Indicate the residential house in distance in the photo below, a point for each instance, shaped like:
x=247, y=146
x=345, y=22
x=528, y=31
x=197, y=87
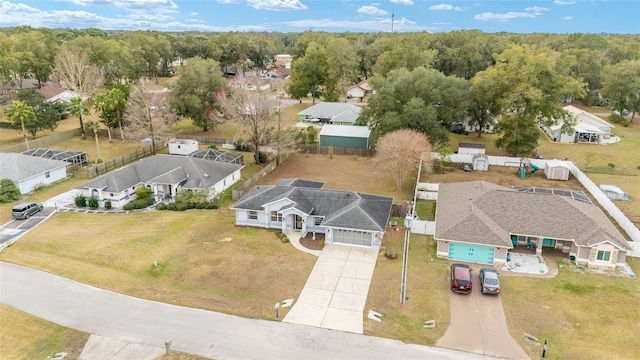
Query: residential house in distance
x=165, y=176
x=283, y=61
x=480, y=222
x=344, y=217
x=57, y=94
x=29, y=172
x=335, y=113
x=588, y=128
x=360, y=90
x=345, y=136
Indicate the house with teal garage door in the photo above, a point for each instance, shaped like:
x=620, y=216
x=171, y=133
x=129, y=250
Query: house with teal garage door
x=481, y=222
x=345, y=136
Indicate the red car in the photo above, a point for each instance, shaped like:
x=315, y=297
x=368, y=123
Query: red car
x=461, y=279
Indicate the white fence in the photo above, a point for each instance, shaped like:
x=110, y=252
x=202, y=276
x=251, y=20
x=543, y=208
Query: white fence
x=423, y=227
x=594, y=190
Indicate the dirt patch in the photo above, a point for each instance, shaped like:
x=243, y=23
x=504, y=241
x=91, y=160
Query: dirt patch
x=311, y=244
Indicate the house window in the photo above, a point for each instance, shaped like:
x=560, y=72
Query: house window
x=276, y=217
x=253, y=215
x=224, y=182
x=318, y=221
x=604, y=255
x=233, y=176
x=47, y=175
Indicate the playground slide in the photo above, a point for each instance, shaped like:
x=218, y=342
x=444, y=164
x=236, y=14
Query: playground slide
x=534, y=168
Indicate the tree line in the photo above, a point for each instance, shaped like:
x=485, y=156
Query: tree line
x=424, y=81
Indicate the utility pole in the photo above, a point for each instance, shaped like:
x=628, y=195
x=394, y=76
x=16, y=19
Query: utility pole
x=279, y=96
x=393, y=16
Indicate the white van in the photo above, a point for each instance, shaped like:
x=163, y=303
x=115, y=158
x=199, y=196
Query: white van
x=25, y=210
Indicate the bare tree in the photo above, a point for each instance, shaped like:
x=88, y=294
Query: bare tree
x=252, y=106
x=148, y=113
x=74, y=71
x=402, y=151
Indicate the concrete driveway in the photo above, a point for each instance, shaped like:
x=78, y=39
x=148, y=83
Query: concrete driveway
x=336, y=291
x=13, y=230
x=478, y=325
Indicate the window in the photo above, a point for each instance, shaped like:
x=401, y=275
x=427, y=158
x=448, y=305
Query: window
x=233, y=176
x=604, y=255
x=318, y=221
x=47, y=175
x=253, y=215
x=276, y=217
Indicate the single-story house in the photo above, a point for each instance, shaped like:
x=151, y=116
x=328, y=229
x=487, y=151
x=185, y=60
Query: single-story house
x=57, y=94
x=283, y=61
x=468, y=126
x=345, y=136
x=30, y=172
x=335, y=113
x=182, y=146
x=471, y=148
x=556, y=170
x=480, y=222
x=360, y=90
x=588, y=128
x=344, y=217
x=613, y=192
x=165, y=176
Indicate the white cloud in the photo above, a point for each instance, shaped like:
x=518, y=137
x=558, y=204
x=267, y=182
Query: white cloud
x=531, y=12
x=371, y=10
x=193, y=13
x=130, y=4
x=560, y=2
x=381, y=25
x=503, y=17
x=568, y=17
x=277, y=4
x=445, y=7
x=402, y=2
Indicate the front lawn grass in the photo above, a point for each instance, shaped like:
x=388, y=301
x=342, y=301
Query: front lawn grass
x=28, y=337
x=203, y=260
x=427, y=292
x=582, y=315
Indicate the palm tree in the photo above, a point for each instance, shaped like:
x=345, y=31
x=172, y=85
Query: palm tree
x=94, y=125
x=20, y=111
x=117, y=100
x=101, y=104
x=79, y=107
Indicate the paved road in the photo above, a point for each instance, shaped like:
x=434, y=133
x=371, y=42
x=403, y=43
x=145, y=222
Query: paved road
x=195, y=331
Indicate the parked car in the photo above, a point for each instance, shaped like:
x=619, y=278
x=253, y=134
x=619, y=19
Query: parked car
x=489, y=281
x=25, y=210
x=625, y=112
x=461, y=279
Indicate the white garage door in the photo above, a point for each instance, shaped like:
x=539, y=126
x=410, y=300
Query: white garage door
x=352, y=237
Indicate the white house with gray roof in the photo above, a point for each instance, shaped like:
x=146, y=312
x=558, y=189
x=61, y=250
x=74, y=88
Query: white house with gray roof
x=480, y=222
x=29, y=172
x=344, y=217
x=335, y=113
x=165, y=176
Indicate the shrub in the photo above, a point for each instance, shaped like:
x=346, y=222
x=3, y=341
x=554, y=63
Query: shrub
x=107, y=205
x=240, y=145
x=172, y=206
x=9, y=192
x=161, y=206
x=39, y=187
x=262, y=157
x=80, y=200
x=149, y=201
x=181, y=207
x=615, y=118
x=128, y=206
x=611, y=165
x=143, y=193
x=93, y=202
x=212, y=205
x=213, y=146
x=201, y=205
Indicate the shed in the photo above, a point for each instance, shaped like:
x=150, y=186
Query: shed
x=613, y=192
x=480, y=162
x=182, y=146
x=470, y=148
x=556, y=170
x=345, y=136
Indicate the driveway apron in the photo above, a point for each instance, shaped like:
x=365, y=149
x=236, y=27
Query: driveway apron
x=336, y=291
x=478, y=325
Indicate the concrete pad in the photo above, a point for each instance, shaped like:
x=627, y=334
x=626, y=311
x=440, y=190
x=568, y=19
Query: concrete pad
x=99, y=347
x=344, y=320
x=336, y=291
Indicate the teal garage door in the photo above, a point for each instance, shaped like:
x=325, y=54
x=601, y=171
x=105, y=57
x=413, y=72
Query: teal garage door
x=471, y=253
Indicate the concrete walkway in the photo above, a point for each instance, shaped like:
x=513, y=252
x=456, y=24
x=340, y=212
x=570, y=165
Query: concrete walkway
x=336, y=292
x=103, y=348
x=294, y=239
x=193, y=331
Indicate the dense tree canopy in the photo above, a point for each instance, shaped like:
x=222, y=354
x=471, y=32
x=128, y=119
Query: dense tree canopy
x=424, y=100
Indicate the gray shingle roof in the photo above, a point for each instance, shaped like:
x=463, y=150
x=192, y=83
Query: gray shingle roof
x=485, y=213
x=18, y=167
x=344, y=209
x=300, y=183
x=335, y=111
x=167, y=169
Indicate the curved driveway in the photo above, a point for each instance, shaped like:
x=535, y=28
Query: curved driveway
x=195, y=331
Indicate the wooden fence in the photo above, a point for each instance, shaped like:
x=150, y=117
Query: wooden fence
x=42, y=142
x=333, y=150
x=250, y=182
x=104, y=167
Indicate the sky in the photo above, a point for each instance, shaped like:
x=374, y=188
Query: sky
x=516, y=16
